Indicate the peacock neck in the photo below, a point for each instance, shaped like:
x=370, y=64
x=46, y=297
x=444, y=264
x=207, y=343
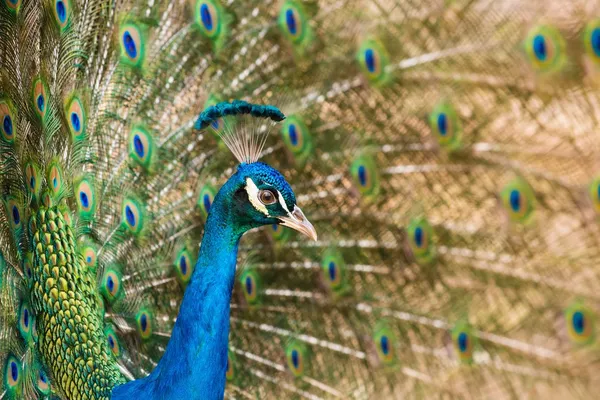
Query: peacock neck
x=195, y=361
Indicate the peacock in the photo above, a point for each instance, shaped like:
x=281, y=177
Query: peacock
x=165, y=166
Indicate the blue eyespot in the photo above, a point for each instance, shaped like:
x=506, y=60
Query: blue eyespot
x=385, y=345
x=40, y=103
x=206, y=17
x=111, y=342
x=463, y=342
x=295, y=358
x=275, y=227
x=144, y=322
x=139, y=146
x=32, y=182
x=7, y=124
x=14, y=371
x=290, y=21
x=515, y=200
x=76, y=122
x=61, y=11
x=362, y=175
x=595, y=41
x=578, y=322
x=183, y=265
x=54, y=182
x=16, y=215
x=332, y=271
x=540, y=48
x=419, y=236
x=442, y=124
x=293, y=134
x=206, y=200
x=370, y=60
x=26, y=317
x=130, y=46
x=249, y=285
x=129, y=215
x=88, y=259
x=110, y=283
x=84, y=199
x=215, y=124
x=43, y=377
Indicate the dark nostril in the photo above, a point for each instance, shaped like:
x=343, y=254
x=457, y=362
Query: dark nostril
x=298, y=214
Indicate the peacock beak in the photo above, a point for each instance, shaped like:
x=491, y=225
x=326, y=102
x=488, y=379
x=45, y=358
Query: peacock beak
x=296, y=220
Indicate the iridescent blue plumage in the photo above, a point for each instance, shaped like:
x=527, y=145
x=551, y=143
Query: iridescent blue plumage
x=194, y=364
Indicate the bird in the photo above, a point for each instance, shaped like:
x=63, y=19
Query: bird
x=165, y=167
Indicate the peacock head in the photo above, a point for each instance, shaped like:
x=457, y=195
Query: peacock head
x=258, y=195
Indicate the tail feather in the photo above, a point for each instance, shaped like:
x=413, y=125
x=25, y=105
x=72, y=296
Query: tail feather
x=446, y=150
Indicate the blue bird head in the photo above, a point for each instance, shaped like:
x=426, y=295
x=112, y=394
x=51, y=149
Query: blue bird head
x=258, y=195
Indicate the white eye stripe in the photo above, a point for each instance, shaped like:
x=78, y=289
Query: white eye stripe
x=282, y=202
x=252, y=191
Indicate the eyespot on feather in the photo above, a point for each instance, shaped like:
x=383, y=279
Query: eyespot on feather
x=40, y=97
x=144, y=323
x=546, y=49
x=132, y=39
x=463, y=341
x=519, y=200
x=297, y=357
x=7, y=121
x=132, y=216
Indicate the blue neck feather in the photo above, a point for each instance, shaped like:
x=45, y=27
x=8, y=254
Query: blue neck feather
x=195, y=361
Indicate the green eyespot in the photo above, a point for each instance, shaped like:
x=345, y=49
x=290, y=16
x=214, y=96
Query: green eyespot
x=251, y=286
x=545, y=48
x=205, y=199
x=591, y=41
x=464, y=342
x=141, y=147
x=446, y=127
x=420, y=235
x=297, y=139
x=132, y=39
x=62, y=11
x=13, y=5
x=55, y=179
x=144, y=323
x=385, y=343
x=212, y=21
x=7, y=121
x=13, y=376
x=111, y=286
x=85, y=196
x=25, y=321
x=89, y=252
x=366, y=176
x=184, y=265
x=76, y=117
x=297, y=356
x=519, y=200
x=333, y=271
x=33, y=179
x=40, y=99
x=294, y=24
x=132, y=215
x=113, y=341
x=373, y=60
x=581, y=323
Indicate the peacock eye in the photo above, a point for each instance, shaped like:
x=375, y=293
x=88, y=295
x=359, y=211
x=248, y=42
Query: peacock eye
x=267, y=197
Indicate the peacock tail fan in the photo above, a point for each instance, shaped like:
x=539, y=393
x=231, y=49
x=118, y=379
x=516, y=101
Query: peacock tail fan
x=481, y=114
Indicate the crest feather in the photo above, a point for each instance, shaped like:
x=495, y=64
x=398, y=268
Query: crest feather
x=246, y=138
